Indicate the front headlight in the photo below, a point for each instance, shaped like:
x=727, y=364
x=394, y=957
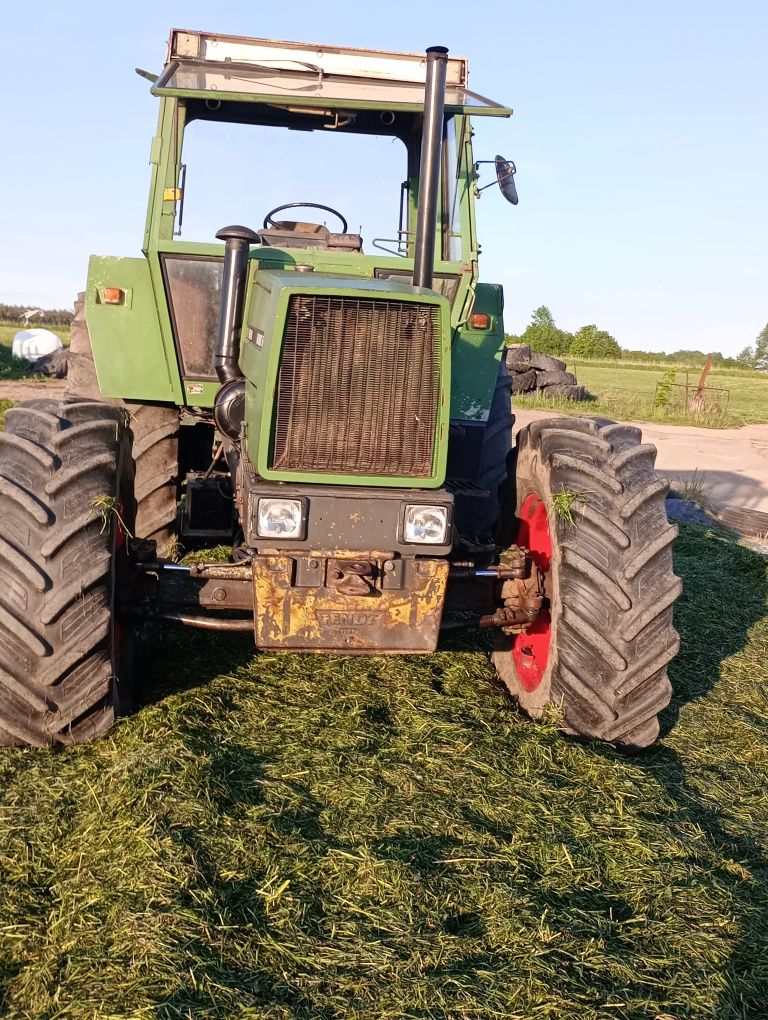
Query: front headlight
x=280, y=518
x=427, y=525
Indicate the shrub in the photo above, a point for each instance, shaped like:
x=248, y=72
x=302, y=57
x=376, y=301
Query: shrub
x=591, y=342
x=664, y=388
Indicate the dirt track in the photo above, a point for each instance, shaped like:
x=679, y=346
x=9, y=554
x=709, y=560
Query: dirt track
x=31, y=390
x=732, y=463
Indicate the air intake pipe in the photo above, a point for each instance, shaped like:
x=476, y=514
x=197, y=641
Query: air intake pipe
x=229, y=403
x=429, y=166
x=237, y=240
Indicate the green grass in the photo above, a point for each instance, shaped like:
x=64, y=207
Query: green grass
x=627, y=384
x=624, y=407
x=4, y=405
x=371, y=837
x=696, y=489
x=13, y=368
x=661, y=365
x=9, y=329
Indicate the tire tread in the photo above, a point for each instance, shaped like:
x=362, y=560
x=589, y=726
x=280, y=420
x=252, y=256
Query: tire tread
x=56, y=683
x=615, y=561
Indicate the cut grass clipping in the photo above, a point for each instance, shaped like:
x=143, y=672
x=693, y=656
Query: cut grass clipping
x=563, y=503
x=107, y=509
x=380, y=837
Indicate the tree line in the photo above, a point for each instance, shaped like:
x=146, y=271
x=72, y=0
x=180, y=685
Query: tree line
x=36, y=316
x=543, y=335
x=757, y=356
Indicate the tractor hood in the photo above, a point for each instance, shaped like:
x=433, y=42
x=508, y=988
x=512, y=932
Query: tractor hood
x=347, y=380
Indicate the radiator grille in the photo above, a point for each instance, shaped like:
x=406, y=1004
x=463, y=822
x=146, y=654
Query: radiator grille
x=358, y=387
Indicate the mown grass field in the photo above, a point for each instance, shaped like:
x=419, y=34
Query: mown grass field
x=747, y=391
x=626, y=390
x=624, y=407
x=291, y=836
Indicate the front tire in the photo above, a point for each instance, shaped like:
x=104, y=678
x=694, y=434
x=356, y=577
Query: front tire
x=66, y=507
x=587, y=502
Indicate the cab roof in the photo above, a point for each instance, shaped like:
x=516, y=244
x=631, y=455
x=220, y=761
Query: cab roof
x=203, y=65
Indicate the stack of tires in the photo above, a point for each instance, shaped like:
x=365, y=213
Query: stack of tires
x=531, y=372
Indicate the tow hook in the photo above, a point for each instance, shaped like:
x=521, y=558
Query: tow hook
x=352, y=577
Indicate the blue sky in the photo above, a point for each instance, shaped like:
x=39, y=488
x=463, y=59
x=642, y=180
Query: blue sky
x=639, y=134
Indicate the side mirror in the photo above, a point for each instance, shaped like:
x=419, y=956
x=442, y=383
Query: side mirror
x=505, y=175
x=505, y=178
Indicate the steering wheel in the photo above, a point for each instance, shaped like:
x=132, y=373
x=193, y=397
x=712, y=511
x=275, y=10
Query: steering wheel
x=269, y=222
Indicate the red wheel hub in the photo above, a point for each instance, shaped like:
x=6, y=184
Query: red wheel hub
x=530, y=651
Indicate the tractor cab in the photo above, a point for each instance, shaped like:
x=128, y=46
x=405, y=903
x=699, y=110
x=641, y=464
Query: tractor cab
x=316, y=149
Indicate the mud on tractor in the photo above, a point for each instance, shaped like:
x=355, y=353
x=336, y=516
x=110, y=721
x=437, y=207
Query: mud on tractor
x=339, y=416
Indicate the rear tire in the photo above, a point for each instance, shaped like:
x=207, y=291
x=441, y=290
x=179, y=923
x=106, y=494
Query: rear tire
x=546, y=363
x=517, y=357
x=524, y=382
x=611, y=585
x=155, y=430
x=66, y=505
x=570, y=392
x=545, y=379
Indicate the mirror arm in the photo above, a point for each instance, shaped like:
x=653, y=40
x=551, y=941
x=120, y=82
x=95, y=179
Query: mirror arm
x=493, y=184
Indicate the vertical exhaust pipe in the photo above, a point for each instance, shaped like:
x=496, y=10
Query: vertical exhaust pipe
x=429, y=167
x=237, y=241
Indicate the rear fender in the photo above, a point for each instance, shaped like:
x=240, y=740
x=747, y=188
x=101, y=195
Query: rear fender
x=475, y=358
x=131, y=357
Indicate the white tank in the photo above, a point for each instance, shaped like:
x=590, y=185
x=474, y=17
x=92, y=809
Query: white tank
x=34, y=343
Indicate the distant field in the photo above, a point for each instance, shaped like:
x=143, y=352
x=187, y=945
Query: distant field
x=747, y=396
x=625, y=389
x=15, y=368
x=9, y=329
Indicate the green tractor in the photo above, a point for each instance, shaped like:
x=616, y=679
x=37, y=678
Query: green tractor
x=339, y=416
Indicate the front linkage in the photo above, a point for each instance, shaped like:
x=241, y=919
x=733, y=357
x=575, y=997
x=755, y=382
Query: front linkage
x=581, y=602
x=325, y=602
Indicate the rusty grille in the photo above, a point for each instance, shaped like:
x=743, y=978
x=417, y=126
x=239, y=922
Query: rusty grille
x=358, y=387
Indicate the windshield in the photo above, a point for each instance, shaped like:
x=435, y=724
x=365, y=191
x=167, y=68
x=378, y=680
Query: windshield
x=237, y=173
x=454, y=180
